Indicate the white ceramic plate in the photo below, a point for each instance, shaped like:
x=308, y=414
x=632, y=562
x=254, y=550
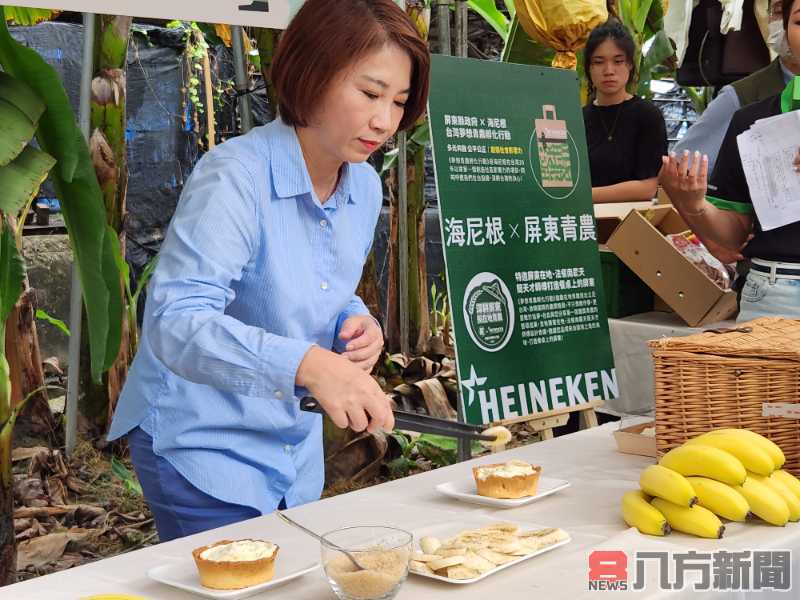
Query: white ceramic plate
x=464, y=489
x=450, y=529
x=183, y=574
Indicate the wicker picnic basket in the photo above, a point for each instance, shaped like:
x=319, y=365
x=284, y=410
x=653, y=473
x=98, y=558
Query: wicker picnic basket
x=723, y=378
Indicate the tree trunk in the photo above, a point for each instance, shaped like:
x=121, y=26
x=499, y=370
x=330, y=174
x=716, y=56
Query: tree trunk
x=25, y=364
x=368, y=288
x=419, y=317
x=108, y=149
x=392, y=318
x=419, y=313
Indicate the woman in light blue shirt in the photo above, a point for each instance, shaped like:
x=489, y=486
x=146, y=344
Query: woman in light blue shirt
x=253, y=302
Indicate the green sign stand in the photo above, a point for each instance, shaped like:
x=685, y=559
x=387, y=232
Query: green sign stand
x=518, y=230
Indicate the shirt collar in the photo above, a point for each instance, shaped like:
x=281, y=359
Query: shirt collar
x=289, y=173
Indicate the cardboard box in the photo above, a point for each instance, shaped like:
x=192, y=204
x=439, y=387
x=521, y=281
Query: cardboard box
x=640, y=243
x=662, y=197
x=609, y=215
x=631, y=441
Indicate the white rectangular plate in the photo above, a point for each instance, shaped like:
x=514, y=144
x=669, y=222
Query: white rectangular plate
x=464, y=490
x=183, y=574
x=452, y=528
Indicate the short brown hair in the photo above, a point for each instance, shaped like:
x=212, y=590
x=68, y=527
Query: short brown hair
x=327, y=36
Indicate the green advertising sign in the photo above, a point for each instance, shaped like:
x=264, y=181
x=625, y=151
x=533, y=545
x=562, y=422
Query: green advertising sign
x=518, y=231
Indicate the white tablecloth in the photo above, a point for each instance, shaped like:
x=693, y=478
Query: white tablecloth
x=629, y=337
x=588, y=510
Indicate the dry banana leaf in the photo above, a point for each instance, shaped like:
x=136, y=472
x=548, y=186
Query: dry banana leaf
x=31, y=491
x=399, y=360
x=436, y=400
x=358, y=460
x=40, y=551
x=420, y=368
x=404, y=389
x=18, y=454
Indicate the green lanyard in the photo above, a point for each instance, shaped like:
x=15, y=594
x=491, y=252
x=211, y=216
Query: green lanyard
x=790, y=96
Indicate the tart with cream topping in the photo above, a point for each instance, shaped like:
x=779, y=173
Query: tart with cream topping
x=232, y=565
x=512, y=479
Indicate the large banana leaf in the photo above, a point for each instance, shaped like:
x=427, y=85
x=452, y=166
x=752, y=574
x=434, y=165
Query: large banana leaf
x=20, y=180
x=642, y=8
x=23, y=168
x=16, y=130
x=489, y=11
x=29, y=16
x=20, y=95
x=58, y=122
x=659, y=51
x=76, y=186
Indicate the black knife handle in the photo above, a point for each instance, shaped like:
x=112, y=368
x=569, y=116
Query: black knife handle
x=310, y=404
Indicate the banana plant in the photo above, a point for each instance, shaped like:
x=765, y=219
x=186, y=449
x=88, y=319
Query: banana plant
x=417, y=300
x=108, y=151
x=494, y=16
x=12, y=273
x=645, y=20
x=22, y=170
x=94, y=243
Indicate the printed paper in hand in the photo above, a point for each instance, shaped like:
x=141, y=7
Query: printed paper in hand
x=767, y=150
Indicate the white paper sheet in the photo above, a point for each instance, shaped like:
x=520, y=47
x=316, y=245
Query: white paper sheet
x=767, y=150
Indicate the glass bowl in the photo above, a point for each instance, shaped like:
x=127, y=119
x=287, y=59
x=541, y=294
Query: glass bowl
x=384, y=552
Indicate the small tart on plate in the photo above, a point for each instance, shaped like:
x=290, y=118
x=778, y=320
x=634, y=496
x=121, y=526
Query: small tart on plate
x=233, y=565
x=510, y=480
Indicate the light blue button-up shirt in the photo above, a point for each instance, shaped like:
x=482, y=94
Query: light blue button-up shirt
x=254, y=270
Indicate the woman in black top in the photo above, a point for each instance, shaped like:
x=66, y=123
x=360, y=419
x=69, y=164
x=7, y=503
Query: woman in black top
x=727, y=217
x=626, y=134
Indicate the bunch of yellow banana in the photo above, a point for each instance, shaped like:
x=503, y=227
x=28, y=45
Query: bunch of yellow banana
x=728, y=473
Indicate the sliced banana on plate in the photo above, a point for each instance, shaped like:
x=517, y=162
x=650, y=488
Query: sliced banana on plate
x=501, y=434
x=430, y=545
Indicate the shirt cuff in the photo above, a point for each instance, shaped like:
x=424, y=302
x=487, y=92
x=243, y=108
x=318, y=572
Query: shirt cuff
x=744, y=208
x=356, y=307
x=288, y=356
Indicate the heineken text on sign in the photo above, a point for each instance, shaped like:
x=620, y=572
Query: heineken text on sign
x=523, y=270
x=257, y=13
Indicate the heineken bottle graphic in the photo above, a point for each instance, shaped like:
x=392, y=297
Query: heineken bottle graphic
x=488, y=312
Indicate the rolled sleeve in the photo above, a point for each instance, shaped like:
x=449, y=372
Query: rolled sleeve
x=212, y=239
x=355, y=307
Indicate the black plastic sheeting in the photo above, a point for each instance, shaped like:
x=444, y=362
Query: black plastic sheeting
x=162, y=145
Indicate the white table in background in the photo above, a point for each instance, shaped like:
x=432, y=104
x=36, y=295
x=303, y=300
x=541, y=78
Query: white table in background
x=634, y=366
x=588, y=510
